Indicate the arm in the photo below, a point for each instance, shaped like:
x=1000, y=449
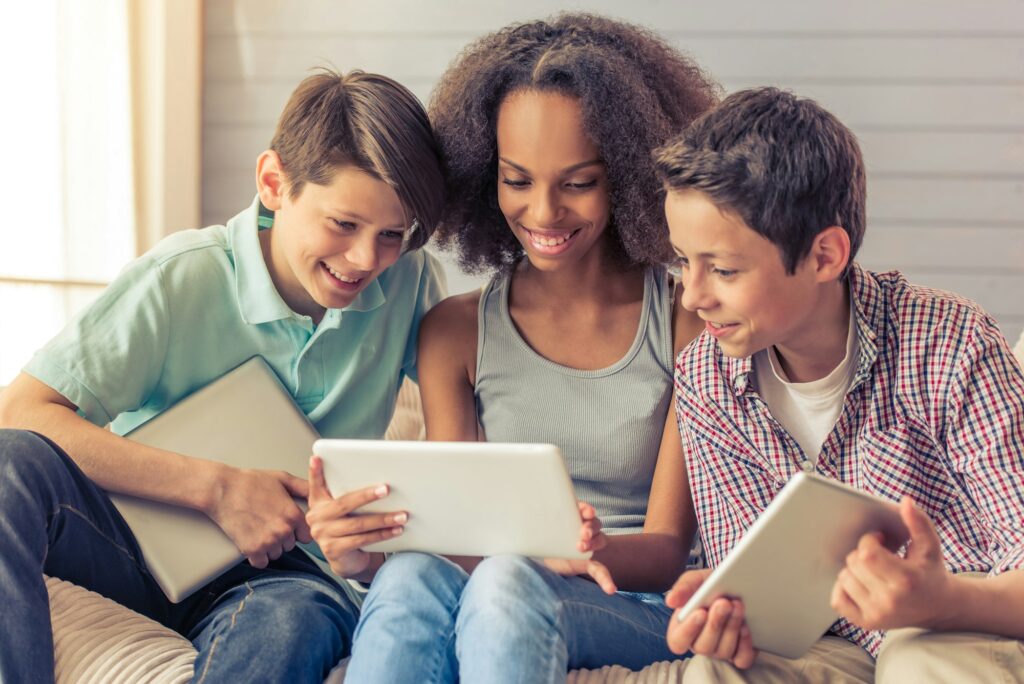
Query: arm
x=254, y=508
x=653, y=559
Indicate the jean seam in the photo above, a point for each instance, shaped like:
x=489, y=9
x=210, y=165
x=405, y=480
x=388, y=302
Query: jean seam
x=217, y=639
x=113, y=542
x=618, y=615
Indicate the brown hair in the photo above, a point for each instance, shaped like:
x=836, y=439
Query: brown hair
x=372, y=123
x=783, y=164
x=635, y=91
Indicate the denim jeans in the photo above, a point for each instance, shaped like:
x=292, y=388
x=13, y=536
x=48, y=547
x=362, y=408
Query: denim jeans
x=287, y=623
x=512, y=620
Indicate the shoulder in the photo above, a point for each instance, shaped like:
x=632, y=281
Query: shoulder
x=454, y=317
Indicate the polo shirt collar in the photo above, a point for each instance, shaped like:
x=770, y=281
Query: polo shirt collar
x=258, y=298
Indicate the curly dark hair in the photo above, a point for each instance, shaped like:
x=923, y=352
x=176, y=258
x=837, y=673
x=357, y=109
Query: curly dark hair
x=635, y=90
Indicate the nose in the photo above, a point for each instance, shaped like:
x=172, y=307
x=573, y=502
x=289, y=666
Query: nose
x=697, y=295
x=546, y=207
x=362, y=251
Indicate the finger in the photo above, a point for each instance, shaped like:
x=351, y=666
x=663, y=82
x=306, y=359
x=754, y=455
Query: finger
x=718, y=616
x=274, y=552
x=682, y=634
x=257, y=560
x=296, y=486
x=729, y=642
x=924, y=540
x=287, y=541
x=587, y=512
x=857, y=593
x=844, y=605
x=302, y=532
x=600, y=573
x=350, y=525
x=358, y=541
x=872, y=564
x=684, y=587
x=318, y=491
x=599, y=542
x=745, y=653
x=346, y=503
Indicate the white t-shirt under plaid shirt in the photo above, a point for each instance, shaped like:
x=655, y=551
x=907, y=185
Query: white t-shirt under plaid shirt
x=935, y=411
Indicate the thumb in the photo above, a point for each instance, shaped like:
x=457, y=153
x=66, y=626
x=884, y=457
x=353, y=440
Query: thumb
x=684, y=588
x=317, y=485
x=924, y=539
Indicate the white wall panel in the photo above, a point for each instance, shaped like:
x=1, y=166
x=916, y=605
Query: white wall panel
x=934, y=89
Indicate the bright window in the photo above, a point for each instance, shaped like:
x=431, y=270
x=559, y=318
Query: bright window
x=68, y=219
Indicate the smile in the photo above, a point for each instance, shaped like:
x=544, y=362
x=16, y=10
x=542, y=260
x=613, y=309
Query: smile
x=337, y=275
x=551, y=243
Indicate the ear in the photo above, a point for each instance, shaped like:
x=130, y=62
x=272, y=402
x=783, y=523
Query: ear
x=830, y=253
x=270, y=180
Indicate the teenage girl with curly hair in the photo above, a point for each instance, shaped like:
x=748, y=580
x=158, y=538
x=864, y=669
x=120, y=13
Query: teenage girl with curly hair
x=547, y=130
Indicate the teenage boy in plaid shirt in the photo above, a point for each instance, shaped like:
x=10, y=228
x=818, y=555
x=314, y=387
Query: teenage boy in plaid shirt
x=809, y=362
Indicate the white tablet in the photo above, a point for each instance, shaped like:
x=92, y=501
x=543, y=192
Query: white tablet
x=463, y=498
x=785, y=566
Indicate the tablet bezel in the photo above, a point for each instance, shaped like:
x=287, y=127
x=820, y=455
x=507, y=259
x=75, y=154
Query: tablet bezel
x=463, y=498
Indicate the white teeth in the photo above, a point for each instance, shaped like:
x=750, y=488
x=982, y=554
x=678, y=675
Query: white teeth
x=550, y=241
x=342, y=278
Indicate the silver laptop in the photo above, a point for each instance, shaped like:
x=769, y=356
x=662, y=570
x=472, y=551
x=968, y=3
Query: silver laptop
x=245, y=418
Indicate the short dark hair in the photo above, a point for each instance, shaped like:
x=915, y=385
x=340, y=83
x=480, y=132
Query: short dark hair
x=635, y=91
x=372, y=123
x=786, y=166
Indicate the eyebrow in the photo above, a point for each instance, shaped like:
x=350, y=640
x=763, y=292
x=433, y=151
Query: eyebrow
x=570, y=169
x=357, y=217
x=709, y=255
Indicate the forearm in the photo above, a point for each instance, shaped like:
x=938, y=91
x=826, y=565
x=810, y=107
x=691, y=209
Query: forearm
x=992, y=605
x=117, y=464
x=648, y=562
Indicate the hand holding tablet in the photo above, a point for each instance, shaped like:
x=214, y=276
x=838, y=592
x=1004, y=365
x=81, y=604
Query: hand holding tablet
x=782, y=572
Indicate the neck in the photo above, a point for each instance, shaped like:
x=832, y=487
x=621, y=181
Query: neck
x=820, y=346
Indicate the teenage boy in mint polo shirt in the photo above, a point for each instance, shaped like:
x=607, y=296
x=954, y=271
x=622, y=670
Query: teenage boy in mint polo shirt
x=328, y=286
x=810, y=362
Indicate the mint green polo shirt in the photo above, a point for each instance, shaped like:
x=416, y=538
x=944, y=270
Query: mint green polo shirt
x=202, y=301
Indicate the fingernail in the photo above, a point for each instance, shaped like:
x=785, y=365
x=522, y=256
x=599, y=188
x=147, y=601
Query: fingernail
x=401, y=518
x=381, y=491
x=395, y=531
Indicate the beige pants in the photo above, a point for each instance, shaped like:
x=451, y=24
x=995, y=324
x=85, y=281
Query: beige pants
x=907, y=656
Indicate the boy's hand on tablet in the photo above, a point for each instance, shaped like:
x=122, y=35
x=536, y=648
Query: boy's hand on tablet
x=591, y=539
x=880, y=590
x=340, y=531
x=718, y=631
x=257, y=510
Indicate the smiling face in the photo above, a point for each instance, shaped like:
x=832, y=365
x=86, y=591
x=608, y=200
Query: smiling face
x=734, y=279
x=552, y=184
x=330, y=242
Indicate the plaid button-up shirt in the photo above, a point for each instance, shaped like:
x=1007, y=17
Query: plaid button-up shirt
x=936, y=411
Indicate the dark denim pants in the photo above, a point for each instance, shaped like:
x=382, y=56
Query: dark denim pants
x=287, y=623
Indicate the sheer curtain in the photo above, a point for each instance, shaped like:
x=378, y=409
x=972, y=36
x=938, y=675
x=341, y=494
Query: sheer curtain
x=84, y=121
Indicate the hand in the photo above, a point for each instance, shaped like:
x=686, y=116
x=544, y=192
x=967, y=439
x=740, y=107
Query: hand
x=257, y=510
x=591, y=539
x=879, y=590
x=340, y=532
x=718, y=631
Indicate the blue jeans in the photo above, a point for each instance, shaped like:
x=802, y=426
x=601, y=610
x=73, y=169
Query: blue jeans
x=289, y=622
x=512, y=620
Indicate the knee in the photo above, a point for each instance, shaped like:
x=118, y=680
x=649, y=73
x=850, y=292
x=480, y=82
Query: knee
x=413, y=574
x=499, y=581
x=909, y=653
x=27, y=461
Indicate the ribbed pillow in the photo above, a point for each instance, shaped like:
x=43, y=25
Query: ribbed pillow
x=98, y=640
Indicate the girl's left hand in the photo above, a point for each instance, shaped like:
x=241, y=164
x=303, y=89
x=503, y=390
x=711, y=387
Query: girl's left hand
x=591, y=539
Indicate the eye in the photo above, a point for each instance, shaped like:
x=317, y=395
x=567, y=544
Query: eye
x=344, y=226
x=515, y=184
x=724, y=272
x=392, y=237
x=582, y=186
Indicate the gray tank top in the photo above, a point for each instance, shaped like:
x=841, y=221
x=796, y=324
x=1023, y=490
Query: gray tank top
x=607, y=422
